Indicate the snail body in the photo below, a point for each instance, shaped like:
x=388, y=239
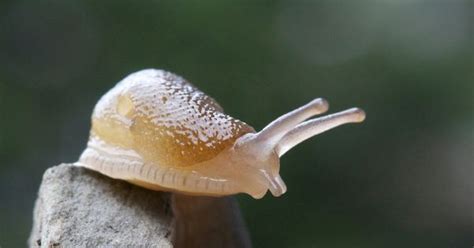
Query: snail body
x=156, y=130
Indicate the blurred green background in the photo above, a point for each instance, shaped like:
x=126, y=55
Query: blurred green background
x=404, y=178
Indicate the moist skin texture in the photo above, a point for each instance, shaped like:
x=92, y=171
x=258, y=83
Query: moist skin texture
x=158, y=131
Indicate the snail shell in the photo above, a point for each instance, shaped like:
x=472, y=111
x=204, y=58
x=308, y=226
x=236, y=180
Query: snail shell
x=156, y=130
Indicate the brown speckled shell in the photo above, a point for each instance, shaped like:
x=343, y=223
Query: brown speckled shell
x=164, y=119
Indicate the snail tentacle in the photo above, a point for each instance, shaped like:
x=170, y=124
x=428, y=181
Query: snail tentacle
x=274, y=131
x=316, y=126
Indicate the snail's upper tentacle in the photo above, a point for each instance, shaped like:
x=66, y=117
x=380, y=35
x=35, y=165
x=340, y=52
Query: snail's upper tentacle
x=316, y=126
x=273, y=132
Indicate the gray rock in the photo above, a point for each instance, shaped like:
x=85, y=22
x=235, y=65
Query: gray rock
x=77, y=207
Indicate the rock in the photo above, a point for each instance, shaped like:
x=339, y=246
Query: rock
x=77, y=207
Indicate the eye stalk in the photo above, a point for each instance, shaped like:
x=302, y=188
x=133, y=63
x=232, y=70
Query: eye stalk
x=308, y=129
x=263, y=149
x=273, y=132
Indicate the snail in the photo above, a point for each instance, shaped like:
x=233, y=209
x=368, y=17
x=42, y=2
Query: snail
x=156, y=130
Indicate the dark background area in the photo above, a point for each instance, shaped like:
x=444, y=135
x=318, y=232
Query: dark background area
x=403, y=178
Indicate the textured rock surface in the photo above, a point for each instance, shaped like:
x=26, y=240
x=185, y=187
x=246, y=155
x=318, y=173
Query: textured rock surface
x=80, y=208
x=77, y=207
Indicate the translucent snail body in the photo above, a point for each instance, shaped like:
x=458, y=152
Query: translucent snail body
x=156, y=130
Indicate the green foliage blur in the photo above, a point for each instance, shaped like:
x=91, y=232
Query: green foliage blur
x=403, y=178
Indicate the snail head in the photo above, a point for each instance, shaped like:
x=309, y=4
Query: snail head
x=257, y=155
